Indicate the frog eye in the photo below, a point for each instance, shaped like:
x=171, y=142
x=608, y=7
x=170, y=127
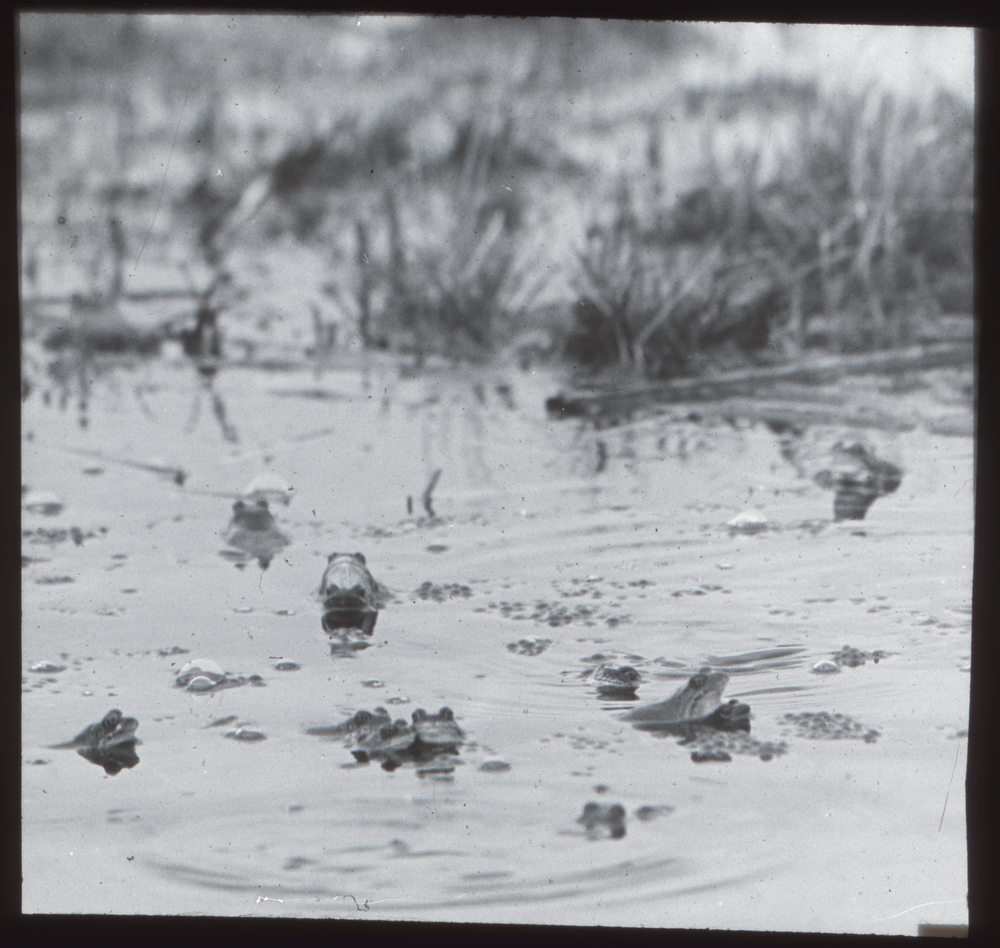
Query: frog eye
x=446, y=714
x=698, y=681
x=362, y=717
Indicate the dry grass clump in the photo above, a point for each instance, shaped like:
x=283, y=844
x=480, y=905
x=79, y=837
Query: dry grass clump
x=411, y=214
x=861, y=237
x=456, y=268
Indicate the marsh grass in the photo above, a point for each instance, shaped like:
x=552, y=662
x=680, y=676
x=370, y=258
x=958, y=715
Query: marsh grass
x=436, y=215
x=861, y=238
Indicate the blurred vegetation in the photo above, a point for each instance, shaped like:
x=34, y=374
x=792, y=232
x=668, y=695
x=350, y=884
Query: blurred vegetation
x=455, y=186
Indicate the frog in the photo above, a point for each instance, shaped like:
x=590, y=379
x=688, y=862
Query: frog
x=112, y=730
x=617, y=682
x=424, y=740
x=697, y=699
x=253, y=532
x=711, y=729
x=110, y=743
x=351, y=596
x=361, y=723
x=858, y=478
x=601, y=820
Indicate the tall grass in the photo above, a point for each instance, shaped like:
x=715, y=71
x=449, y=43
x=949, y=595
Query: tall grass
x=424, y=215
x=861, y=237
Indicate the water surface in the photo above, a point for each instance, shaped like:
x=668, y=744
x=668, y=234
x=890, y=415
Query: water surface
x=611, y=545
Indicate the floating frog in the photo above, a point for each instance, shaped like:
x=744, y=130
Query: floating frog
x=253, y=532
x=113, y=729
x=617, y=683
x=697, y=699
x=110, y=743
x=351, y=596
x=858, y=479
x=426, y=738
x=603, y=820
x=363, y=722
x=696, y=714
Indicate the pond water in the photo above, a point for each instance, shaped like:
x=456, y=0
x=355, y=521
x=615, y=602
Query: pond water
x=555, y=548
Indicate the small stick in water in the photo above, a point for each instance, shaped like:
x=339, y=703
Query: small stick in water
x=430, y=490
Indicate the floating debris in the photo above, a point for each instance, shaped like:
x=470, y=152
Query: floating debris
x=749, y=522
x=270, y=487
x=59, y=535
x=47, y=668
x=42, y=502
x=202, y=674
x=246, y=734
x=718, y=746
x=647, y=813
x=201, y=683
x=199, y=667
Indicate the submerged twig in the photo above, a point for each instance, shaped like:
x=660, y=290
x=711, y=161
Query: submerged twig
x=177, y=475
x=426, y=497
